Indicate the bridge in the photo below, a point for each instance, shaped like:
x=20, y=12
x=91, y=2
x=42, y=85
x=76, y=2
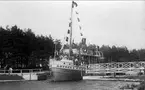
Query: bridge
x=117, y=67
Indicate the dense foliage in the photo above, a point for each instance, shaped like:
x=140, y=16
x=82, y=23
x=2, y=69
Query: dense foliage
x=122, y=54
x=23, y=49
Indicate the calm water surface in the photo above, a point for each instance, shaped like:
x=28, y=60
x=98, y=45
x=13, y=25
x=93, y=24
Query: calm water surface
x=46, y=85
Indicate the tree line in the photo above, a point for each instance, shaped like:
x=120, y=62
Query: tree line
x=21, y=48
x=114, y=53
x=122, y=54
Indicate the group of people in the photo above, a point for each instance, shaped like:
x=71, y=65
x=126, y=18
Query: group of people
x=74, y=58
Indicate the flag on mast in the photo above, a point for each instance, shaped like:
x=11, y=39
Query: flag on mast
x=74, y=4
x=80, y=27
x=67, y=39
x=70, y=24
x=68, y=32
x=77, y=12
x=78, y=19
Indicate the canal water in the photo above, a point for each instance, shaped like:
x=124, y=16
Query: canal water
x=79, y=85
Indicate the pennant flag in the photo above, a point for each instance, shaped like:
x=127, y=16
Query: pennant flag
x=73, y=41
x=81, y=34
x=98, y=48
x=78, y=19
x=74, y=4
x=70, y=24
x=67, y=39
x=68, y=32
x=83, y=40
x=80, y=27
x=77, y=12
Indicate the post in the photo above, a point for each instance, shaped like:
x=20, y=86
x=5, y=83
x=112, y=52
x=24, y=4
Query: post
x=55, y=49
x=21, y=72
x=114, y=74
x=30, y=73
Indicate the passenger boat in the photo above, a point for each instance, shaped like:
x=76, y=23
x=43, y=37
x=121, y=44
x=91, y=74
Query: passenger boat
x=65, y=67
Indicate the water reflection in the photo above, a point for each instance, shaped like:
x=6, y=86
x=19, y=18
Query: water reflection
x=46, y=85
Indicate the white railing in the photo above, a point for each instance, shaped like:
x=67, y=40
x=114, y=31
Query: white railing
x=116, y=67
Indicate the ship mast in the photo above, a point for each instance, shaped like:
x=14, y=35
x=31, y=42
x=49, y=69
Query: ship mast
x=70, y=41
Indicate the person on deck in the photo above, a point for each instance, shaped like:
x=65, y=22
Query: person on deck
x=76, y=61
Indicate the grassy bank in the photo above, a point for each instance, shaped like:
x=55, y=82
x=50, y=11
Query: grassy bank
x=141, y=86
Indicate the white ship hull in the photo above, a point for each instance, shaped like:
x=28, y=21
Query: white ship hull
x=62, y=74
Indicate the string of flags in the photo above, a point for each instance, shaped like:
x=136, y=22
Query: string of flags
x=74, y=4
x=78, y=19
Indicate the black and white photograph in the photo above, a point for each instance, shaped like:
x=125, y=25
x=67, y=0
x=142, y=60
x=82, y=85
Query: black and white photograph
x=72, y=45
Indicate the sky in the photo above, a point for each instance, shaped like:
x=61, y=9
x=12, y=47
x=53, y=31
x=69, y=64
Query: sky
x=120, y=23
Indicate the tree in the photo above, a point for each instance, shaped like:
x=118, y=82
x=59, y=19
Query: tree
x=22, y=48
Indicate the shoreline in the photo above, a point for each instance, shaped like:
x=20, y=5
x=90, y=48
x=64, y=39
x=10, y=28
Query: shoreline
x=92, y=78
x=101, y=78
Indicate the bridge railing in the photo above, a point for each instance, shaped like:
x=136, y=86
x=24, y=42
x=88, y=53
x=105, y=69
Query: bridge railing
x=117, y=67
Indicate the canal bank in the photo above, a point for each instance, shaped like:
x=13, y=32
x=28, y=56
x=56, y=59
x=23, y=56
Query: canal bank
x=75, y=85
x=107, y=78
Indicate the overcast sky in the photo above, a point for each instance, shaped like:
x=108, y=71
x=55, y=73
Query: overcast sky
x=120, y=23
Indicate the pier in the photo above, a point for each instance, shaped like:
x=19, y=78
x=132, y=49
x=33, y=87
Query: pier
x=24, y=74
